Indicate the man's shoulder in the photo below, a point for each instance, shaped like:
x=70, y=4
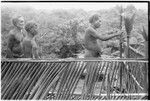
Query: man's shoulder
x=12, y=31
x=11, y=34
x=90, y=30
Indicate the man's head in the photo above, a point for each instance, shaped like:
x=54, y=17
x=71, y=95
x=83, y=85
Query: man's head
x=95, y=20
x=31, y=28
x=18, y=21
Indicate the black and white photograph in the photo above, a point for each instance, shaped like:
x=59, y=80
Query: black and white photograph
x=89, y=50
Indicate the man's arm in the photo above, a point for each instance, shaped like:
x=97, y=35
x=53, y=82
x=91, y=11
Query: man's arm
x=102, y=37
x=108, y=37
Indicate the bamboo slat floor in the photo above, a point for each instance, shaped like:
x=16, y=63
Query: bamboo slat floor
x=44, y=79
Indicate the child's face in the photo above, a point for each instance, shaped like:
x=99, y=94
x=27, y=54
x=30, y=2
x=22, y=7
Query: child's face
x=34, y=29
x=97, y=23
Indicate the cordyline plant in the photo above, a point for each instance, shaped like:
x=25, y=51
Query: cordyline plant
x=129, y=20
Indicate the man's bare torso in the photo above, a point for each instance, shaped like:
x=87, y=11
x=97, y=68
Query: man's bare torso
x=91, y=42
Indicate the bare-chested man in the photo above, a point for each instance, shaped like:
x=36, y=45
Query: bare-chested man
x=91, y=44
x=14, y=49
x=30, y=47
x=91, y=36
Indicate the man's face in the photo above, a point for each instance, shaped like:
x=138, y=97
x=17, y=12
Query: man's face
x=97, y=23
x=20, y=23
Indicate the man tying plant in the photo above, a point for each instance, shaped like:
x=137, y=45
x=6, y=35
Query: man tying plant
x=91, y=37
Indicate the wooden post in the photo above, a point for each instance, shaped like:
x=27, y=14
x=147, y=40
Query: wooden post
x=128, y=35
x=120, y=26
x=146, y=67
x=120, y=43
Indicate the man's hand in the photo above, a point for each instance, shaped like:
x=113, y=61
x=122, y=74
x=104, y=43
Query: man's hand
x=119, y=33
x=121, y=36
x=116, y=30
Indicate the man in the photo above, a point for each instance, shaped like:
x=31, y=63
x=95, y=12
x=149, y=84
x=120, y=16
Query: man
x=14, y=48
x=91, y=37
x=91, y=44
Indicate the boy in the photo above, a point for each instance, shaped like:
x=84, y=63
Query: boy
x=30, y=47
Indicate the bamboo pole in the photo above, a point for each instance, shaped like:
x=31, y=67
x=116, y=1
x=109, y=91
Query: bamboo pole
x=120, y=27
x=5, y=68
x=146, y=57
x=75, y=82
x=52, y=80
x=71, y=74
x=72, y=60
x=25, y=79
x=84, y=90
x=34, y=80
x=41, y=78
x=106, y=66
x=43, y=85
x=42, y=75
x=145, y=36
x=9, y=74
x=63, y=80
x=14, y=82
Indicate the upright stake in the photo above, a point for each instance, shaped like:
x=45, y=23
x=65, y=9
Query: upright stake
x=120, y=43
x=128, y=34
x=129, y=20
x=120, y=26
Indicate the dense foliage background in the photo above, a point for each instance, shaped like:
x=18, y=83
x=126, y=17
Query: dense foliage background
x=61, y=32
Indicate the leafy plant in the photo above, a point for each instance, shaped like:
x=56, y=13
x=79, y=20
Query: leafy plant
x=129, y=20
x=143, y=33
